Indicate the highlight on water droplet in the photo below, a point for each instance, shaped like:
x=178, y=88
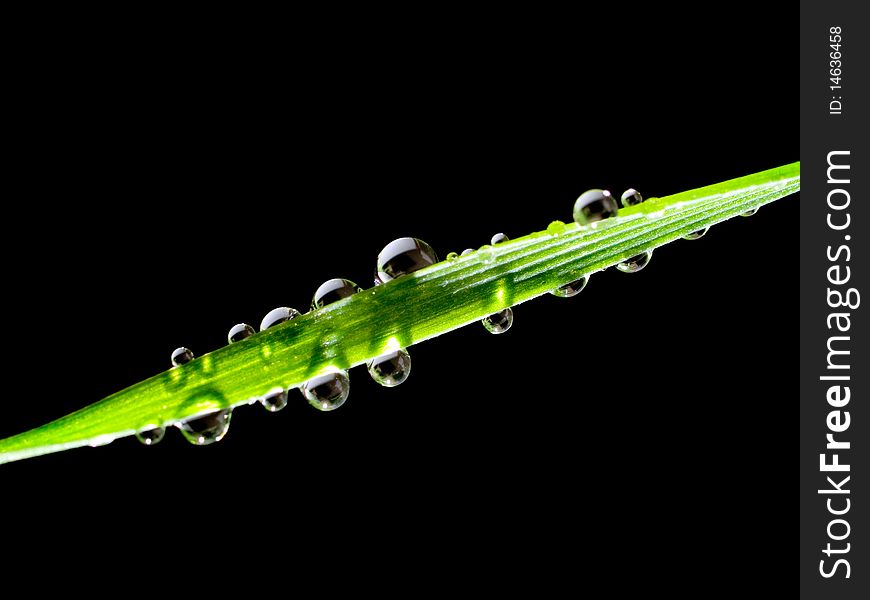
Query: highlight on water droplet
x=150, y=435
x=328, y=391
x=696, y=235
x=467, y=251
x=402, y=257
x=635, y=263
x=499, y=238
x=239, y=332
x=390, y=369
x=594, y=205
x=571, y=289
x=332, y=291
x=630, y=197
x=181, y=356
x=206, y=429
x=277, y=316
x=275, y=400
x=749, y=213
x=499, y=322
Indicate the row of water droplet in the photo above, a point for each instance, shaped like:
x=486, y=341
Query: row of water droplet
x=400, y=257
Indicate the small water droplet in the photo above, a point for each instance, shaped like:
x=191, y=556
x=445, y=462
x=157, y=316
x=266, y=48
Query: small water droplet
x=486, y=253
x=402, y=257
x=749, y=213
x=556, y=228
x=630, y=197
x=635, y=263
x=500, y=321
x=333, y=291
x=239, y=332
x=390, y=369
x=499, y=238
x=150, y=436
x=452, y=257
x=467, y=251
x=571, y=289
x=327, y=392
x=277, y=316
x=274, y=400
x=696, y=235
x=594, y=205
x=181, y=356
x=207, y=429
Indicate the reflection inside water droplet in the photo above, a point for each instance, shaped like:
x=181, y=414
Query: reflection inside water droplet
x=630, y=197
x=467, y=251
x=635, y=263
x=274, y=400
x=277, y=316
x=402, y=257
x=333, y=291
x=499, y=238
x=571, y=289
x=206, y=429
x=327, y=392
x=499, y=322
x=749, y=213
x=452, y=256
x=594, y=205
x=181, y=356
x=390, y=369
x=696, y=235
x=239, y=332
x=150, y=436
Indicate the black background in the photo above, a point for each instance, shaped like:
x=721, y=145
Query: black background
x=174, y=193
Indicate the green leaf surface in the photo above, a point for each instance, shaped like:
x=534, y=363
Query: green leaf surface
x=401, y=313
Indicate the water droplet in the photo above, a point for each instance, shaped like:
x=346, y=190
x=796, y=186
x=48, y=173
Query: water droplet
x=499, y=238
x=274, y=400
x=239, y=332
x=181, y=356
x=452, y=257
x=749, y=213
x=630, y=197
x=486, y=253
x=635, y=263
x=696, y=235
x=333, y=291
x=278, y=315
x=571, y=289
x=404, y=256
x=467, y=251
x=556, y=228
x=327, y=392
x=207, y=429
x=594, y=205
x=500, y=321
x=151, y=436
x=391, y=369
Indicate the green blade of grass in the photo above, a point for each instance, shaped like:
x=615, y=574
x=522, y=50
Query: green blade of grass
x=401, y=313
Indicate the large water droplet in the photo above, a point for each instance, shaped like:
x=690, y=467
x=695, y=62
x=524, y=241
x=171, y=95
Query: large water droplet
x=391, y=369
x=327, y=392
x=749, y=213
x=467, y=251
x=594, y=205
x=278, y=315
x=239, y=332
x=696, y=235
x=274, y=400
x=207, y=429
x=404, y=256
x=150, y=436
x=181, y=356
x=452, y=256
x=333, y=291
x=630, y=197
x=635, y=263
x=499, y=238
x=571, y=289
x=499, y=322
